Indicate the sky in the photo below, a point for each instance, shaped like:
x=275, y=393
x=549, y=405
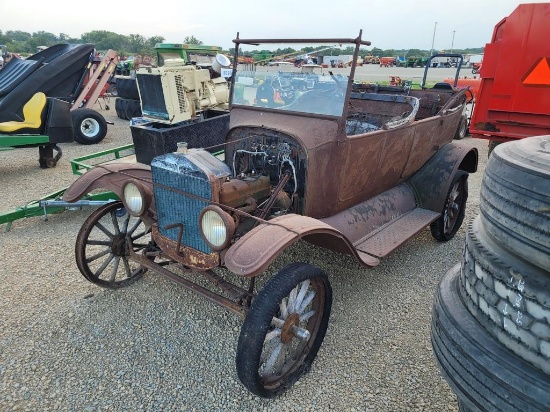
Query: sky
x=396, y=24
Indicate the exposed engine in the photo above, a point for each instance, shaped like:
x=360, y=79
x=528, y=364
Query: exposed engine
x=255, y=152
x=263, y=176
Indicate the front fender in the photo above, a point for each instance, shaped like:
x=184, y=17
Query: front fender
x=110, y=176
x=432, y=182
x=255, y=251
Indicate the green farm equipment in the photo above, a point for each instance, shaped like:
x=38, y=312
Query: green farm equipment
x=53, y=203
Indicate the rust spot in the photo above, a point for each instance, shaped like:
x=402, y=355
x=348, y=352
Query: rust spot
x=185, y=255
x=487, y=126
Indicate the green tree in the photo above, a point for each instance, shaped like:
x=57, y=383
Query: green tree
x=152, y=41
x=137, y=43
x=105, y=40
x=377, y=52
x=191, y=40
x=18, y=35
x=42, y=38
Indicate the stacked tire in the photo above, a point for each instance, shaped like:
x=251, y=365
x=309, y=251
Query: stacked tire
x=127, y=103
x=491, y=316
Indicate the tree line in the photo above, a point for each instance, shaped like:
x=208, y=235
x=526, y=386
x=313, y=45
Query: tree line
x=125, y=45
x=26, y=43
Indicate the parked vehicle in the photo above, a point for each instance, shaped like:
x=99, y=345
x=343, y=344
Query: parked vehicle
x=125, y=67
x=476, y=67
x=513, y=97
x=357, y=171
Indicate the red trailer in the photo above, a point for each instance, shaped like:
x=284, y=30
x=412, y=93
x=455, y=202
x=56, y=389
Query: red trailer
x=514, y=96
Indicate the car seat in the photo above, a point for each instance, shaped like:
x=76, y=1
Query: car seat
x=33, y=116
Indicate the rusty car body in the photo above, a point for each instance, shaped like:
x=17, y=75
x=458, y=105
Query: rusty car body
x=353, y=168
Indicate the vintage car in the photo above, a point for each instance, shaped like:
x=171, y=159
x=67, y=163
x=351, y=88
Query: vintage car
x=356, y=169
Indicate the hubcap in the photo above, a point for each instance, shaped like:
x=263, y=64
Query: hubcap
x=89, y=127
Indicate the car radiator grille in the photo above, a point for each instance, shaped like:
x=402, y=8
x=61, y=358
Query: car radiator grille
x=181, y=192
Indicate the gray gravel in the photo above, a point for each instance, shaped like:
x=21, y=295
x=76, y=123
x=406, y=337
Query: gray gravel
x=66, y=344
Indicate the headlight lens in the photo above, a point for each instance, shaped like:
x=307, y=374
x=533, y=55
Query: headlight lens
x=217, y=227
x=133, y=199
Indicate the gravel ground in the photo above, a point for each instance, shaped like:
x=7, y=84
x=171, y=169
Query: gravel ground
x=66, y=344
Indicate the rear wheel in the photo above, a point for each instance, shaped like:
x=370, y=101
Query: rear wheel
x=284, y=330
x=89, y=126
x=462, y=129
x=451, y=218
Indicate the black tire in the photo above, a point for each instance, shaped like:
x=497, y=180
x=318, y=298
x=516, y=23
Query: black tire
x=258, y=334
x=127, y=109
x=127, y=87
x=101, y=248
x=112, y=90
x=446, y=226
x=514, y=201
x=492, y=145
x=508, y=296
x=474, y=71
x=483, y=374
x=462, y=128
x=89, y=127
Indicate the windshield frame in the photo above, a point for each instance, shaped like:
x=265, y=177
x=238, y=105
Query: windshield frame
x=358, y=42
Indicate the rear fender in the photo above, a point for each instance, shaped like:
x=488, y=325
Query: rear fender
x=432, y=182
x=255, y=251
x=112, y=177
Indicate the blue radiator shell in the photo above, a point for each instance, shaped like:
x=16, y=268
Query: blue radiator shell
x=174, y=176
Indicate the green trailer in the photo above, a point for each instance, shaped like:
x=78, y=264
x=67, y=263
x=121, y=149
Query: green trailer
x=53, y=203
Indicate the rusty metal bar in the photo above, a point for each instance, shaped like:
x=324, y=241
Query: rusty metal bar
x=255, y=42
x=180, y=235
x=236, y=292
x=222, y=301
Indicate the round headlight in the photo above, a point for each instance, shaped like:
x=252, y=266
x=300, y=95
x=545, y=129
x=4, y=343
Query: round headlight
x=133, y=198
x=217, y=227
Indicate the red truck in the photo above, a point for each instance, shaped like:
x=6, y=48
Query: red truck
x=514, y=94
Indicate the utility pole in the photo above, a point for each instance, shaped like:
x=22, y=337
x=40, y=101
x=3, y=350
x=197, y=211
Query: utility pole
x=453, y=42
x=433, y=39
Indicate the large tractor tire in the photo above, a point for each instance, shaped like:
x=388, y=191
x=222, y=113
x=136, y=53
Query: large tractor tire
x=508, y=296
x=127, y=87
x=514, y=200
x=482, y=372
x=127, y=109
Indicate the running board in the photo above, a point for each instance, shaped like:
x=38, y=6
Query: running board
x=393, y=234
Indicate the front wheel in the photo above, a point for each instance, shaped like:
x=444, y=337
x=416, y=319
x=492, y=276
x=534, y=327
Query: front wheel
x=103, y=246
x=89, y=126
x=284, y=329
x=446, y=226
